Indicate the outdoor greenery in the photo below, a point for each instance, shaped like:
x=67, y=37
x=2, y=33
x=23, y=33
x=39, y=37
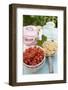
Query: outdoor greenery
x=38, y=20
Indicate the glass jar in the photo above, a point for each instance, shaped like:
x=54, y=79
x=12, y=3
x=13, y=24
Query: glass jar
x=50, y=31
x=30, y=35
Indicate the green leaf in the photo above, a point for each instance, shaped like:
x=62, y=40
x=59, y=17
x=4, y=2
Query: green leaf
x=39, y=42
x=44, y=38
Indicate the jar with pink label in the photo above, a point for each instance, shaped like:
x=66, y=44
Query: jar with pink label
x=30, y=35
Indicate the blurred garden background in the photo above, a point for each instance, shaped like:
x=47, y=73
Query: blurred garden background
x=38, y=20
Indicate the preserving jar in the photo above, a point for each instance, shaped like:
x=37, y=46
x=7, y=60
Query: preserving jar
x=30, y=35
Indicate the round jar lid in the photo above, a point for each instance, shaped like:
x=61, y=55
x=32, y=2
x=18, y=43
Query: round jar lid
x=30, y=31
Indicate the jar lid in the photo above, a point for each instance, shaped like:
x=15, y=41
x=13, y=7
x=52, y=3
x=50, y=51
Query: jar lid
x=30, y=30
x=49, y=25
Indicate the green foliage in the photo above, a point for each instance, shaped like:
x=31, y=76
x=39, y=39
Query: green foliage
x=44, y=38
x=38, y=20
x=40, y=42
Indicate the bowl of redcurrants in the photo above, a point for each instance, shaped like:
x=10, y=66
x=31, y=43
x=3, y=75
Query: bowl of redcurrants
x=34, y=58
